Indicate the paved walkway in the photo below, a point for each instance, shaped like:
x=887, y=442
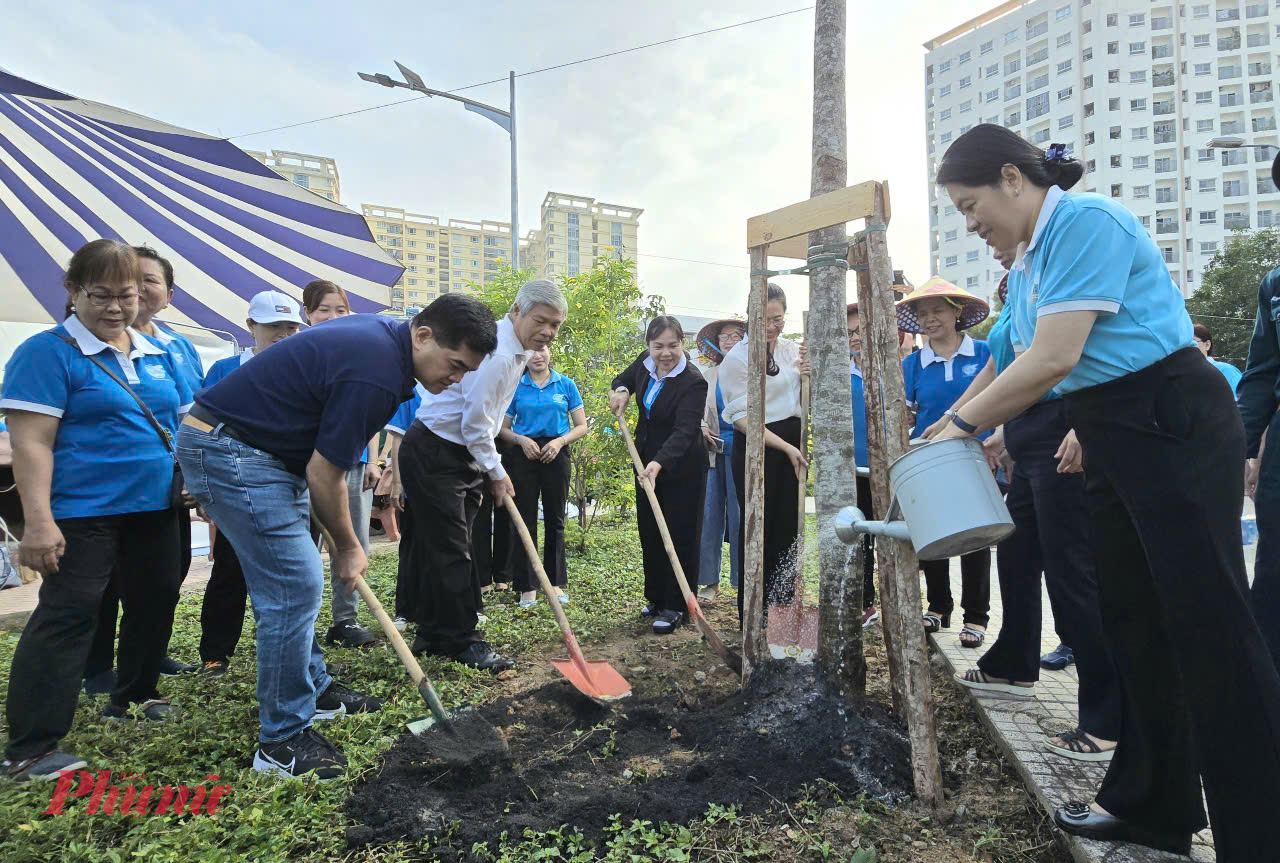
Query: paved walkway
x=1019, y=727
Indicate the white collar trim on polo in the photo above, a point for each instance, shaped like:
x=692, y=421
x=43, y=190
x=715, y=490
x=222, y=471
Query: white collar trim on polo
x=90, y=345
x=928, y=357
x=1051, y=200
x=653, y=373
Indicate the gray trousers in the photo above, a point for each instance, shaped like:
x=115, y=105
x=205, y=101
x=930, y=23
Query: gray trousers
x=345, y=598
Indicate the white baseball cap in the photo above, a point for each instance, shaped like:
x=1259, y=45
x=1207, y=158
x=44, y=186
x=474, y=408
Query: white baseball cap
x=273, y=307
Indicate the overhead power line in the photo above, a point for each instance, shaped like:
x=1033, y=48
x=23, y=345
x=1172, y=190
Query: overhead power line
x=503, y=79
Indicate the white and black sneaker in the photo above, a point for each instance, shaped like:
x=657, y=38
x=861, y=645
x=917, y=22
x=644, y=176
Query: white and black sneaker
x=305, y=752
x=49, y=766
x=337, y=700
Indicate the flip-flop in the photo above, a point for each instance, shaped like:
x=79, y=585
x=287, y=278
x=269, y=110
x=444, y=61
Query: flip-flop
x=977, y=680
x=1079, y=747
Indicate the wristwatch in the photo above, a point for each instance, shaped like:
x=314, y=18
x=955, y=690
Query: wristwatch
x=966, y=427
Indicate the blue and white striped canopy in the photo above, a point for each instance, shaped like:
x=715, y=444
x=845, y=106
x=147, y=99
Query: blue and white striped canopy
x=73, y=171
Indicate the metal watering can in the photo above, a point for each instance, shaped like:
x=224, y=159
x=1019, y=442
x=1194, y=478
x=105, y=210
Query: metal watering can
x=944, y=501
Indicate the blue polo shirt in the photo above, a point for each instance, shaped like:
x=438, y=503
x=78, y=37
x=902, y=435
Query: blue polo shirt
x=226, y=366
x=543, y=411
x=1089, y=253
x=1230, y=372
x=327, y=389
x=933, y=384
x=107, y=458
x=185, y=356
x=404, y=415
x=859, y=414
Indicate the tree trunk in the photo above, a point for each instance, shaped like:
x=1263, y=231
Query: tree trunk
x=886, y=441
x=754, y=649
x=840, y=624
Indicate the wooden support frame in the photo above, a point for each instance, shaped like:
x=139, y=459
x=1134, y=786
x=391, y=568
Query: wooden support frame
x=776, y=234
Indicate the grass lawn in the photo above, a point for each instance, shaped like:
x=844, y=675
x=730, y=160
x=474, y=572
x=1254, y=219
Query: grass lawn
x=267, y=818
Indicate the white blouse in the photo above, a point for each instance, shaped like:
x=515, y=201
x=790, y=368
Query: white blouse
x=781, y=391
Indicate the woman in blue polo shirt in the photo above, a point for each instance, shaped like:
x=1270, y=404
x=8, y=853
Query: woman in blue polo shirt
x=155, y=292
x=935, y=376
x=862, y=484
x=1108, y=329
x=97, y=485
x=720, y=517
x=545, y=416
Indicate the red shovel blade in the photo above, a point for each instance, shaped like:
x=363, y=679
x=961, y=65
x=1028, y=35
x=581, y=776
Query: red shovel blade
x=603, y=682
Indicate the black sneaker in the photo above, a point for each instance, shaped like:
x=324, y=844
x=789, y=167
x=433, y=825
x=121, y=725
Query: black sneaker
x=215, y=668
x=480, y=655
x=43, y=767
x=101, y=683
x=420, y=645
x=170, y=667
x=348, y=633
x=157, y=710
x=337, y=700
x=304, y=752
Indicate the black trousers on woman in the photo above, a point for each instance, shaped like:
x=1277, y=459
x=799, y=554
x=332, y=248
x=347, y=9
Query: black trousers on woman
x=1054, y=536
x=781, y=510
x=975, y=586
x=1165, y=448
x=867, y=507
x=491, y=540
x=103, y=649
x=680, y=493
x=222, y=612
x=533, y=480
x=138, y=554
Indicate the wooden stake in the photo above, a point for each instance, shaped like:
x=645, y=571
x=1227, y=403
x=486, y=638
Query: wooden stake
x=754, y=648
x=899, y=569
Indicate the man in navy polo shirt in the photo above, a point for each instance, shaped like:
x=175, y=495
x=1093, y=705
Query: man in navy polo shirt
x=267, y=446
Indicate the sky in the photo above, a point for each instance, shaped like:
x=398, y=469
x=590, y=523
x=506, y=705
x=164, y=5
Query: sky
x=701, y=134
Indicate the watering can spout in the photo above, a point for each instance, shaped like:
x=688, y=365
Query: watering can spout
x=851, y=523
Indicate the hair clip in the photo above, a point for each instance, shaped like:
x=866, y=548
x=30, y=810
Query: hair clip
x=1056, y=153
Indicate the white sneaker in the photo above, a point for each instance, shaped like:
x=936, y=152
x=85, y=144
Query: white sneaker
x=400, y=624
x=529, y=599
x=481, y=619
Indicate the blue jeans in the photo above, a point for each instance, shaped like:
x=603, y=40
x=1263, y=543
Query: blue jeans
x=722, y=504
x=265, y=511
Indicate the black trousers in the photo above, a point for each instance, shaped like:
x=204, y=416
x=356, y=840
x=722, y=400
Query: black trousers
x=1165, y=449
x=867, y=506
x=443, y=487
x=1265, y=596
x=533, y=479
x=222, y=612
x=491, y=542
x=1053, y=536
x=406, y=580
x=103, y=649
x=975, y=586
x=138, y=553
x=681, y=492
x=781, y=510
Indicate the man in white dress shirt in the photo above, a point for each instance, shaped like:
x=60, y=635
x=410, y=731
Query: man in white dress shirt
x=445, y=456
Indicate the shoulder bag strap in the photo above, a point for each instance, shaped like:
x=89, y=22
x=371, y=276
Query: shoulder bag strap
x=164, y=433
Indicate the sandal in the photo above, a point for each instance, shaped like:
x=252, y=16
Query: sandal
x=978, y=680
x=667, y=621
x=975, y=639
x=934, y=621
x=1079, y=747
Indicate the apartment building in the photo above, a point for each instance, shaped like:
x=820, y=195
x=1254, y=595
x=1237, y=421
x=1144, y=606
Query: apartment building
x=575, y=230
x=317, y=173
x=1137, y=90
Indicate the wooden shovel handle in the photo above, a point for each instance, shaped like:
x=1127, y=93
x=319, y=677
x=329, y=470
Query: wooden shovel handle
x=553, y=599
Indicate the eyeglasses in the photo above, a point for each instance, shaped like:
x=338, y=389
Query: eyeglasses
x=732, y=336
x=104, y=299
x=853, y=333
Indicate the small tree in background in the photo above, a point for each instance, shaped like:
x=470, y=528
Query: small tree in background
x=1227, y=301
x=602, y=334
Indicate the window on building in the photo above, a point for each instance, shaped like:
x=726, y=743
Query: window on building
x=944, y=114
x=1062, y=13
x=1209, y=248
x=1204, y=125
x=1117, y=189
x=1064, y=67
x=1011, y=36
x=1013, y=118
x=1112, y=19
x=1207, y=185
x=993, y=95
x=1137, y=104
x=1114, y=133
x=1137, y=20
x=950, y=235
x=1136, y=48
x=1113, y=76
x=1116, y=161
x=1088, y=111
x=1139, y=133
x=1012, y=64
x=971, y=256
x=1088, y=82
x=1208, y=217
x=1037, y=105
x=1200, y=40
x=1088, y=53
x=966, y=106
x=1113, y=47
x=1204, y=155
x=1090, y=166
x=1088, y=139
x=992, y=70
x=1064, y=95
x=985, y=48
x=1066, y=122
x=1012, y=89
x=1113, y=104
x=1064, y=39
x=1141, y=191
x=1139, y=77
x=1038, y=82
x=945, y=138
x=1204, y=97
x=944, y=67
x=1200, y=11
x=1141, y=163
x=302, y=180
x=965, y=57
x=966, y=81
x=952, y=260
x=1203, y=69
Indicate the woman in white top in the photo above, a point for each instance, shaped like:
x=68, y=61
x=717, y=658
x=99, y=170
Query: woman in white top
x=784, y=463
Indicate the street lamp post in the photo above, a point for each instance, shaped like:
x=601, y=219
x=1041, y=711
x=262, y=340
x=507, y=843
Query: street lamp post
x=505, y=119
x=1232, y=143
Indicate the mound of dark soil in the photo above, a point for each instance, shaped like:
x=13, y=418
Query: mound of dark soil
x=574, y=762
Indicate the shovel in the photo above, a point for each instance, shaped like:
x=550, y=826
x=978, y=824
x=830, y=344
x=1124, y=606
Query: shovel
x=731, y=659
x=596, y=679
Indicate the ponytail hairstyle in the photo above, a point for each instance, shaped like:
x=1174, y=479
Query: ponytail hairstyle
x=775, y=295
x=978, y=156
